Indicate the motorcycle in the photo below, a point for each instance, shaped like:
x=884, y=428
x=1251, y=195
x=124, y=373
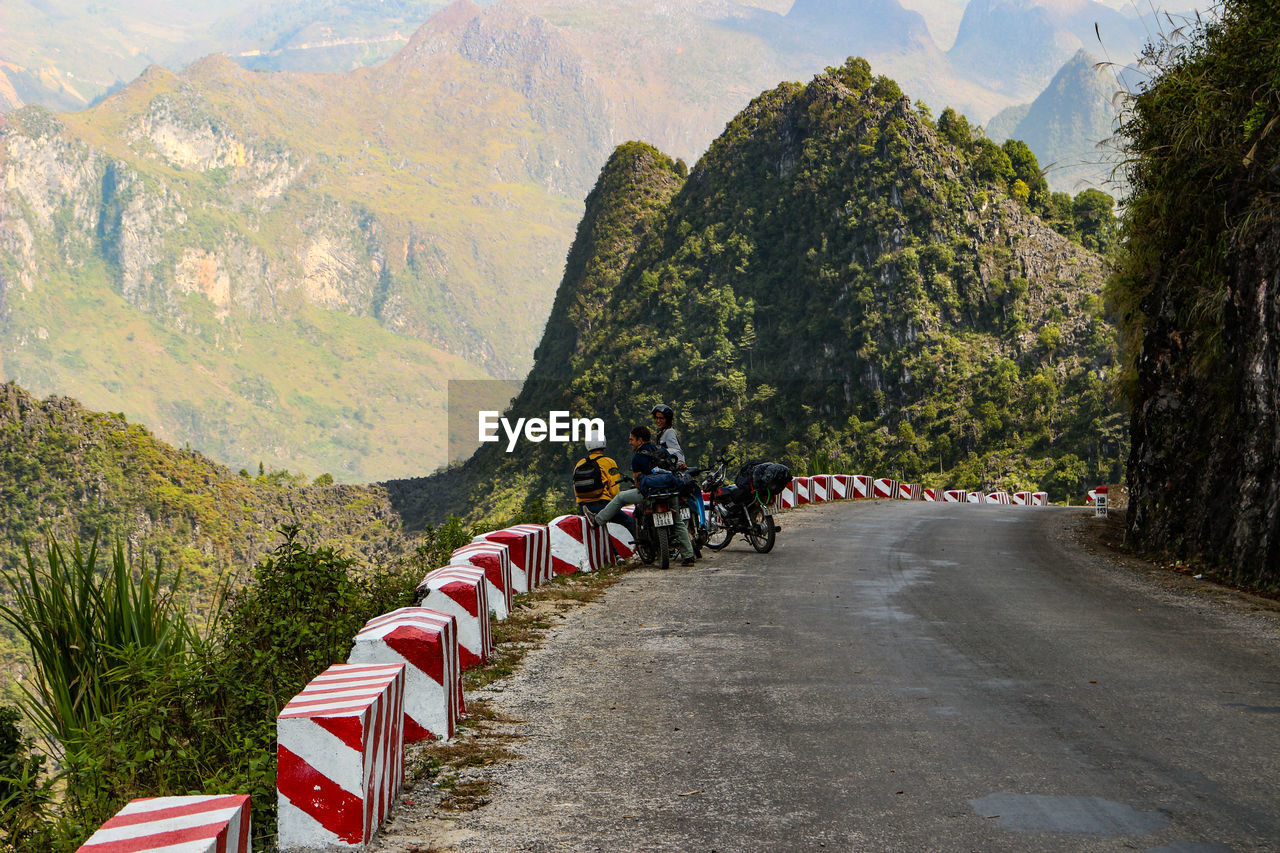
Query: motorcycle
x=655, y=519
x=736, y=509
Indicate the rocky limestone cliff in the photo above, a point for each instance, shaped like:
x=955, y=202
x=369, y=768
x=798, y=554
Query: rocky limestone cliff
x=834, y=283
x=240, y=221
x=1197, y=291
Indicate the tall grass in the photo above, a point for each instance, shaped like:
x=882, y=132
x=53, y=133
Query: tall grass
x=83, y=625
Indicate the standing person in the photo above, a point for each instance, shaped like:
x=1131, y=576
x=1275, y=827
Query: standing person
x=596, y=481
x=641, y=466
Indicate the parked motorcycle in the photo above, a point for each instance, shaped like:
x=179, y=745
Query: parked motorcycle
x=737, y=509
x=655, y=518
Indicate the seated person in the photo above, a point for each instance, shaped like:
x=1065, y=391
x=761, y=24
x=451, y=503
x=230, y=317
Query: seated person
x=642, y=465
x=596, y=481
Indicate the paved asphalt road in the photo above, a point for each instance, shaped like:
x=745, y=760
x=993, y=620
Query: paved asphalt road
x=894, y=676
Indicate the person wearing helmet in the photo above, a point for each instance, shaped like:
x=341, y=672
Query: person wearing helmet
x=642, y=465
x=664, y=435
x=596, y=480
x=664, y=431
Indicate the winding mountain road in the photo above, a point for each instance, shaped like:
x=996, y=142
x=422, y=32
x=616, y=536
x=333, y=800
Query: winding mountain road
x=894, y=676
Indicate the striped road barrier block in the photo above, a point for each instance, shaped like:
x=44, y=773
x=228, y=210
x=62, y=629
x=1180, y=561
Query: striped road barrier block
x=787, y=497
x=998, y=498
x=199, y=824
x=1020, y=498
x=975, y=498
x=577, y=545
x=860, y=486
x=909, y=491
x=495, y=559
x=426, y=642
x=955, y=496
x=820, y=488
x=463, y=593
x=884, y=489
x=541, y=542
x=621, y=540
x=840, y=487
x=801, y=486
x=930, y=495
x=1039, y=498
x=541, y=549
x=340, y=757
x=523, y=550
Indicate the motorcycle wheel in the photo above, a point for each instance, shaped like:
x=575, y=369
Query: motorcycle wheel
x=762, y=535
x=718, y=535
x=664, y=548
x=644, y=542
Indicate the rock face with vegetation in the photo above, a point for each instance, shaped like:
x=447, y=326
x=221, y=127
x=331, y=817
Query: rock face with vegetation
x=1197, y=288
x=842, y=282
x=70, y=471
x=286, y=267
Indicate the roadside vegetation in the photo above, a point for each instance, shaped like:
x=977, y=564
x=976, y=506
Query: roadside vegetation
x=127, y=696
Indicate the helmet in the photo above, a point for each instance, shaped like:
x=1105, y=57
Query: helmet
x=666, y=411
x=594, y=444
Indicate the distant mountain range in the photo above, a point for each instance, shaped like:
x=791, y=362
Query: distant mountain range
x=287, y=267
x=1070, y=125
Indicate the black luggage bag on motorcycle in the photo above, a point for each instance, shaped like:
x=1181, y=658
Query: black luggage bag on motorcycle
x=744, y=507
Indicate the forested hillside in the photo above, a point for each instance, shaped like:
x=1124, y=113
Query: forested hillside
x=70, y=471
x=1197, y=288
x=841, y=282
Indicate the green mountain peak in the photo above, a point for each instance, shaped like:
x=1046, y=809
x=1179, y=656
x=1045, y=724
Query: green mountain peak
x=839, y=281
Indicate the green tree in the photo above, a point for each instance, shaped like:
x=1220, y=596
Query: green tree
x=1094, y=220
x=1026, y=168
x=991, y=165
x=955, y=128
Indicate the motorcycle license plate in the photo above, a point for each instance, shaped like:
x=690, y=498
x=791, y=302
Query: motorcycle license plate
x=766, y=510
x=684, y=513
x=663, y=519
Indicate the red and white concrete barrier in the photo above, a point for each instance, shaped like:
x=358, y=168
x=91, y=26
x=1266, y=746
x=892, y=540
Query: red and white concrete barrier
x=840, y=487
x=801, y=487
x=955, y=496
x=541, y=541
x=577, y=545
x=1039, y=498
x=975, y=498
x=199, y=824
x=862, y=487
x=930, y=495
x=908, y=491
x=787, y=497
x=820, y=488
x=426, y=642
x=340, y=757
x=495, y=559
x=1021, y=499
x=623, y=543
x=884, y=489
x=463, y=593
x=528, y=549
x=998, y=498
